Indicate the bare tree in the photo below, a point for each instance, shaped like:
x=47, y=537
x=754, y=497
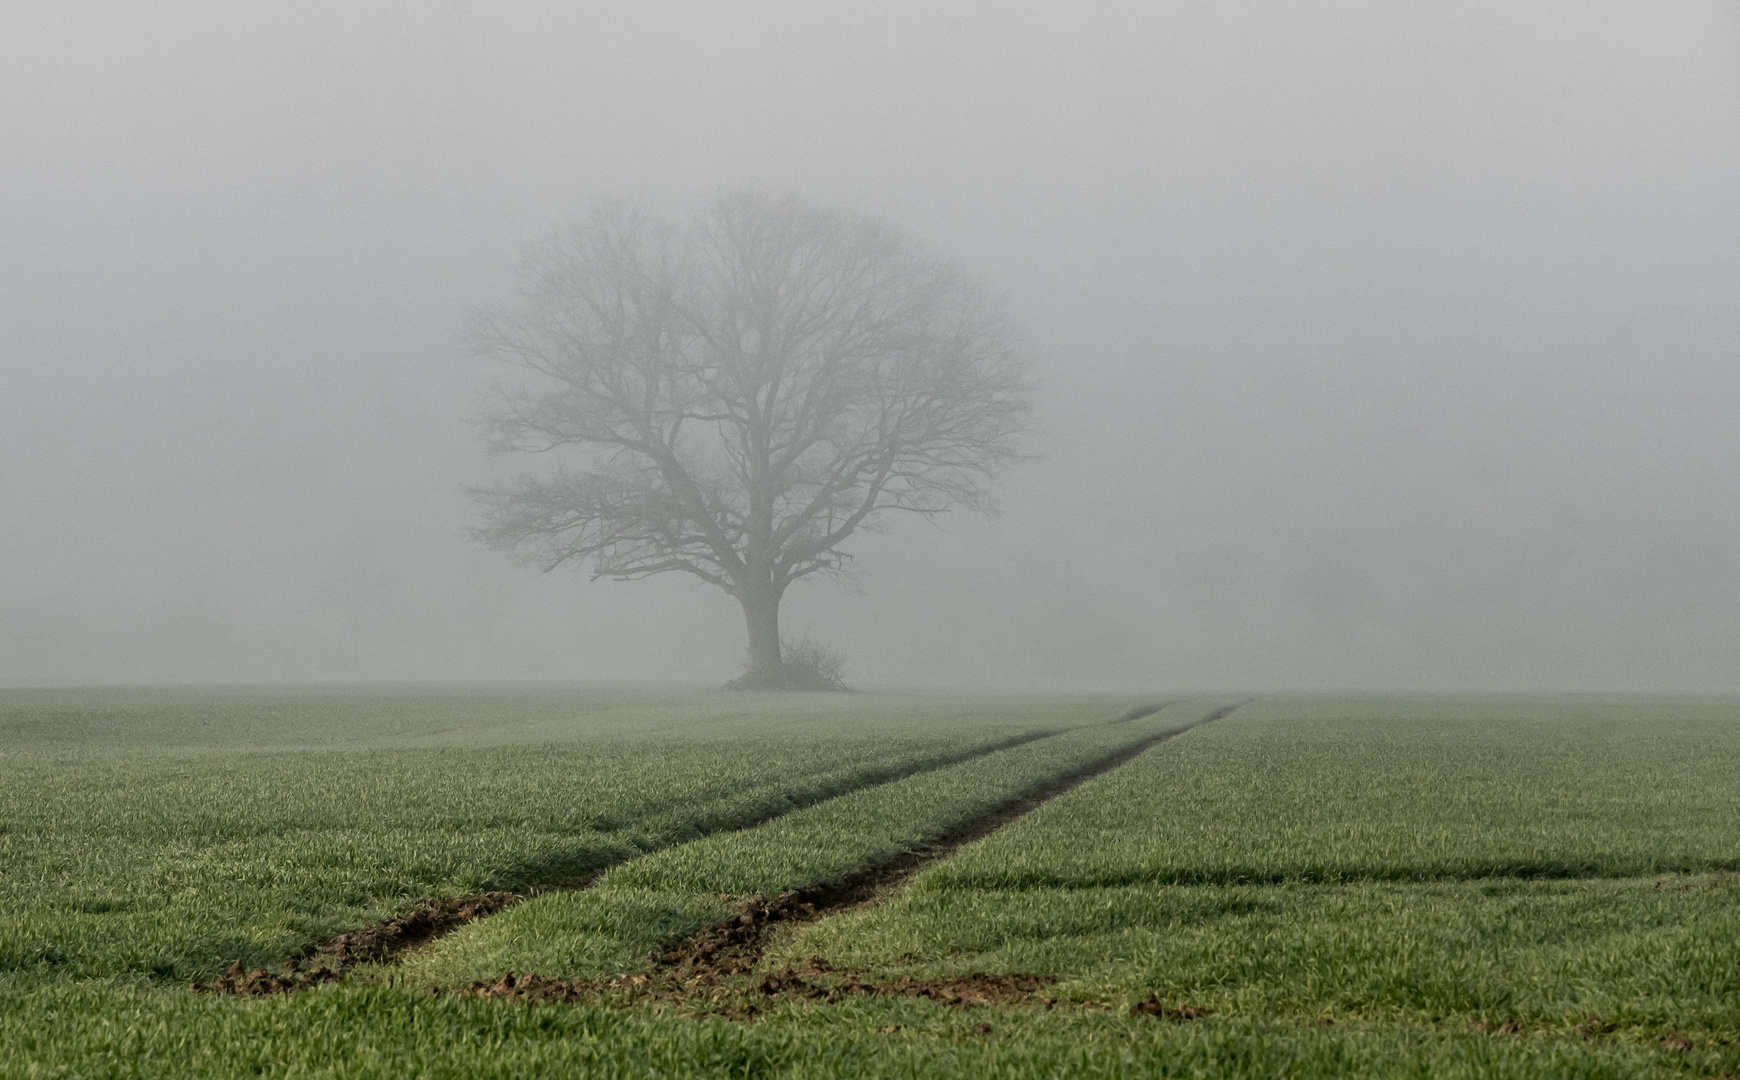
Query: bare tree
x=734, y=394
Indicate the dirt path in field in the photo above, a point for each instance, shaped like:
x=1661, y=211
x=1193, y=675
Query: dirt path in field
x=706, y=968
x=430, y=918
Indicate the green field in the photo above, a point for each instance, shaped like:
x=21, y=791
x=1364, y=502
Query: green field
x=1306, y=887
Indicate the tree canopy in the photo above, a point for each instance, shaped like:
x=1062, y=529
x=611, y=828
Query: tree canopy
x=734, y=393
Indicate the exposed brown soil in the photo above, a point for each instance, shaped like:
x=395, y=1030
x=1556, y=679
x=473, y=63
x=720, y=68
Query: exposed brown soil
x=380, y=943
x=707, y=990
x=733, y=946
x=427, y=921
x=261, y=981
x=1177, y=1014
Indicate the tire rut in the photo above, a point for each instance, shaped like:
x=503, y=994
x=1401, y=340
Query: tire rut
x=700, y=968
x=430, y=918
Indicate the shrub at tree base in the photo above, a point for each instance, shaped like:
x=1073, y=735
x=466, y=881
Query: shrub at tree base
x=804, y=665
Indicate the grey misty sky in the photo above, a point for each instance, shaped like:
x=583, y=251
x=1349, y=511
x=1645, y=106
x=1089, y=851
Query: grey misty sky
x=1383, y=344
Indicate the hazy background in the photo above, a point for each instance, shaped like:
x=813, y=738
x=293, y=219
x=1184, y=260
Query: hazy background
x=1383, y=344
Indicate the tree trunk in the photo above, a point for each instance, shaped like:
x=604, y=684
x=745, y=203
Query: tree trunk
x=761, y=615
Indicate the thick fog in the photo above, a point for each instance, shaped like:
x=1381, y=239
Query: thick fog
x=1381, y=344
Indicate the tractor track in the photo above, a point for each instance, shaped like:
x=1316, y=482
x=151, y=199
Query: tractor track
x=430, y=918
x=700, y=969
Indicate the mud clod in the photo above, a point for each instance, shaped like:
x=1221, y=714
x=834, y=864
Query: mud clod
x=260, y=982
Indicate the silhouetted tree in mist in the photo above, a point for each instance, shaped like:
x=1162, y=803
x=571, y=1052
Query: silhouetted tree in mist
x=735, y=393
